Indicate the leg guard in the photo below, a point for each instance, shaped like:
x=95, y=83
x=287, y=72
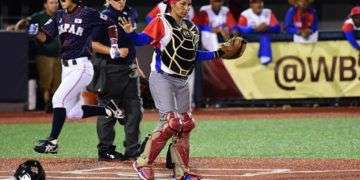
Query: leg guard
x=159, y=138
x=181, y=148
x=188, y=122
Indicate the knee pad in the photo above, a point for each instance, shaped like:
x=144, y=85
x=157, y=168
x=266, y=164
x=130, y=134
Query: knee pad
x=189, y=122
x=173, y=124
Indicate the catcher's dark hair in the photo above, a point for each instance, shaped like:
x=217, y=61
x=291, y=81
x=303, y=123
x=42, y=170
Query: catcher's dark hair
x=168, y=7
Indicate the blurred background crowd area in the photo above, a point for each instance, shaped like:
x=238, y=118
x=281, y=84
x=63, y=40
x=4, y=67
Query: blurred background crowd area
x=213, y=83
x=331, y=12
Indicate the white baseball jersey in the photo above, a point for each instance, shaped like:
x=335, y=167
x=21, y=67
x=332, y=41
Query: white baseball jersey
x=350, y=25
x=254, y=20
x=216, y=20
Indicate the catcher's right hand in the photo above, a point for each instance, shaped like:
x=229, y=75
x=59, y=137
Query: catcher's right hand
x=233, y=48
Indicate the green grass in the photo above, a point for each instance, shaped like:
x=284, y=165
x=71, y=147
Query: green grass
x=301, y=138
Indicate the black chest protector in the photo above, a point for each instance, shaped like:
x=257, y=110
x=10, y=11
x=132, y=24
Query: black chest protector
x=179, y=54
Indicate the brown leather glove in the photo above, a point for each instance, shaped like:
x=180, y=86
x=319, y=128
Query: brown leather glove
x=233, y=48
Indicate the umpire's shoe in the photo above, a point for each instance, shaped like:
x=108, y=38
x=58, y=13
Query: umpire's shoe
x=116, y=112
x=48, y=145
x=110, y=156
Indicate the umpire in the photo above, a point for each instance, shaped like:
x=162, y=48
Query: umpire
x=121, y=85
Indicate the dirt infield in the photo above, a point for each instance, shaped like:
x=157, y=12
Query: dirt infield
x=209, y=168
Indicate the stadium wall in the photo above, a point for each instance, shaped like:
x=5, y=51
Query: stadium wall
x=326, y=73
x=14, y=70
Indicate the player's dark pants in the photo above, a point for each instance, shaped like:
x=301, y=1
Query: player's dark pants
x=123, y=88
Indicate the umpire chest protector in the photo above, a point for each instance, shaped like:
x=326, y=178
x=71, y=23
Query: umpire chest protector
x=179, y=54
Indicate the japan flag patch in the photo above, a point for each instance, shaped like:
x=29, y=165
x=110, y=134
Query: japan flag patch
x=103, y=17
x=77, y=21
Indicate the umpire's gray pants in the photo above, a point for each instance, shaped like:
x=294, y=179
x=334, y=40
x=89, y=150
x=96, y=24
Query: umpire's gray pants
x=170, y=94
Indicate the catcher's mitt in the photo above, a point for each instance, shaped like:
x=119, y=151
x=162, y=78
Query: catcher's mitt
x=233, y=48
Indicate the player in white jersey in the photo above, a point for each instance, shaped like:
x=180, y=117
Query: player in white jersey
x=215, y=23
x=261, y=21
x=351, y=25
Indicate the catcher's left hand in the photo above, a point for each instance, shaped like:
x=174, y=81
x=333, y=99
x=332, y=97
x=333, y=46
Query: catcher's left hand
x=233, y=48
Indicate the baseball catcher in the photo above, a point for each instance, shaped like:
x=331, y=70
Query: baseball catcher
x=175, y=40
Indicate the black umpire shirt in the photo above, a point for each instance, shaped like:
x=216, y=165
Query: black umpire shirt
x=100, y=34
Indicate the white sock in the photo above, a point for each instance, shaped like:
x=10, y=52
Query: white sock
x=265, y=59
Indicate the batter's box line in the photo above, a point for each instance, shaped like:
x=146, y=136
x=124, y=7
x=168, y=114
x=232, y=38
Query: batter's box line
x=169, y=176
x=259, y=173
x=199, y=169
x=284, y=171
x=325, y=171
x=78, y=177
x=166, y=176
x=274, y=171
x=89, y=170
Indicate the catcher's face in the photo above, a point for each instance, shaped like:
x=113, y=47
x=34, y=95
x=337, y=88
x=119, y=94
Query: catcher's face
x=356, y=19
x=181, y=8
x=118, y=4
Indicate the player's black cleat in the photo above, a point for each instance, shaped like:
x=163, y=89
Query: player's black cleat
x=110, y=156
x=116, y=112
x=47, y=146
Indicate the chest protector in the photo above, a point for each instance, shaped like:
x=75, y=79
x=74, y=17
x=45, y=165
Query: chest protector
x=179, y=54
